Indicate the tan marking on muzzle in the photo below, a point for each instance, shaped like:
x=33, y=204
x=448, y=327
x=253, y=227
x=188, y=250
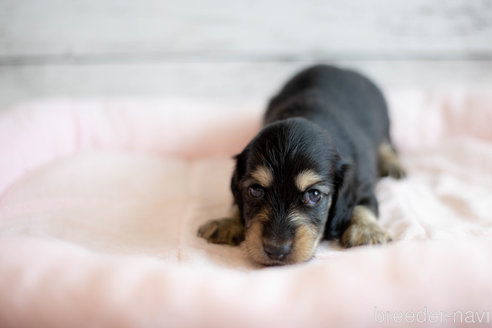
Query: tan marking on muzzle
x=305, y=242
x=297, y=218
x=254, y=236
x=254, y=243
x=306, y=239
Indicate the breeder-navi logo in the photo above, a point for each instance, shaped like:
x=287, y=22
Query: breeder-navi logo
x=425, y=316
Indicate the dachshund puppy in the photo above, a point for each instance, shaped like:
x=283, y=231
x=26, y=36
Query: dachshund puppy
x=310, y=172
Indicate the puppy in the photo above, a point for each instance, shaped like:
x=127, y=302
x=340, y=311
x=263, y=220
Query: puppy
x=310, y=172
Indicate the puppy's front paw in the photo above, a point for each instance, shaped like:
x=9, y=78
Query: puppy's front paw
x=222, y=231
x=358, y=235
x=364, y=230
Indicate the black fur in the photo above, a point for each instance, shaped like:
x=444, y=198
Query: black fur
x=326, y=119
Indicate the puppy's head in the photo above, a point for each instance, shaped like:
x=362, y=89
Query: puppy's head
x=283, y=184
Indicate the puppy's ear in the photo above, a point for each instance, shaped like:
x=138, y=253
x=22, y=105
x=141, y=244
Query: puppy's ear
x=237, y=175
x=342, y=170
x=343, y=199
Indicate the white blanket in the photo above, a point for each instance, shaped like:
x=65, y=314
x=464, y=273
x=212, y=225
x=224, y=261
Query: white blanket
x=100, y=203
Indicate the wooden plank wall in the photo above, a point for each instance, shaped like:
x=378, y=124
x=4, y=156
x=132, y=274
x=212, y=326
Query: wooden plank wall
x=234, y=49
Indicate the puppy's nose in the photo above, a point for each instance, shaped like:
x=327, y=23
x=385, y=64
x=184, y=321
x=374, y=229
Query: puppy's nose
x=277, y=251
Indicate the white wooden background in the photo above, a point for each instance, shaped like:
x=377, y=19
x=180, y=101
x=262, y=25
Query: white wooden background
x=225, y=49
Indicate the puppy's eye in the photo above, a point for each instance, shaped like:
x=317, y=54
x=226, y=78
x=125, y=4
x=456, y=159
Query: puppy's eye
x=312, y=197
x=256, y=191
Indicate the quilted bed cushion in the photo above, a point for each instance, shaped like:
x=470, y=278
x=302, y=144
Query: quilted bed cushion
x=100, y=203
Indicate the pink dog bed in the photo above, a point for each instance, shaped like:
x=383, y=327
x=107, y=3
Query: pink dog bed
x=100, y=203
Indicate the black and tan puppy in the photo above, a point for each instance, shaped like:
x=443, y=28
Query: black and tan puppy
x=310, y=173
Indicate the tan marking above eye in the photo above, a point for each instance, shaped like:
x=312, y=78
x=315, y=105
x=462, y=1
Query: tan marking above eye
x=306, y=179
x=263, y=176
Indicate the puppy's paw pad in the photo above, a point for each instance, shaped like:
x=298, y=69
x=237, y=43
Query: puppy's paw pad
x=223, y=231
x=357, y=235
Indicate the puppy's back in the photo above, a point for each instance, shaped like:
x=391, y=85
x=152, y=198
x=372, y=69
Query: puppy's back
x=326, y=93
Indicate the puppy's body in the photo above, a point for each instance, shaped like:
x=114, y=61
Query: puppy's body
x=310, y=173
x=353, y=112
